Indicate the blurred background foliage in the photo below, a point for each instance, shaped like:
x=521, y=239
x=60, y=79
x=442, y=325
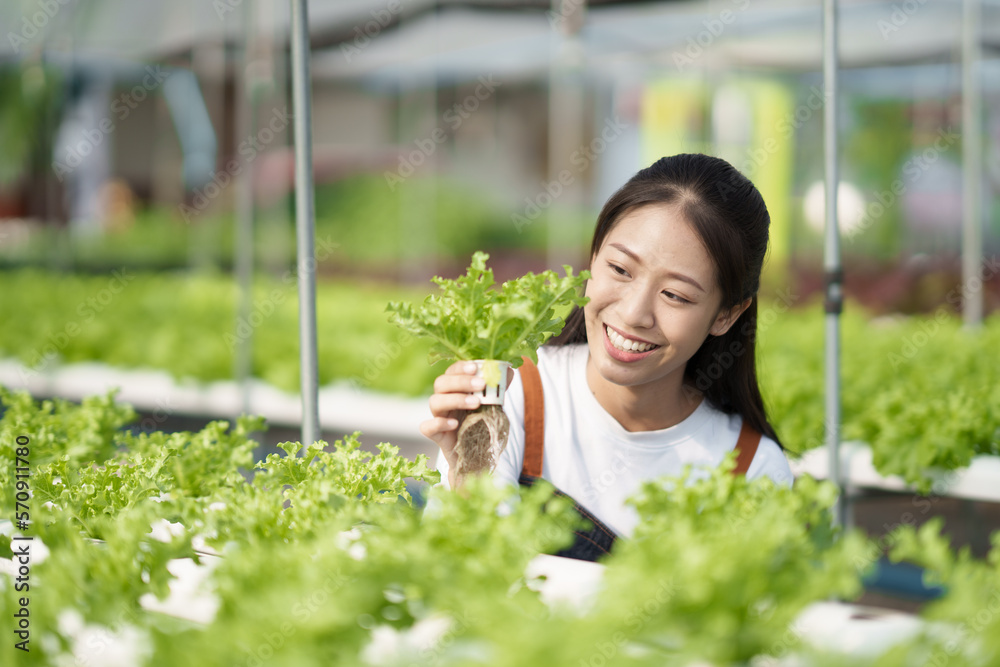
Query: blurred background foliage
x=125, y=127
x=29, y=95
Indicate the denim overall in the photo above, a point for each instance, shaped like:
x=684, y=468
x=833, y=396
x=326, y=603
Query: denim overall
x=589, y=544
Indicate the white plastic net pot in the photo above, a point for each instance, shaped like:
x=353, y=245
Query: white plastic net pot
x=495, y=374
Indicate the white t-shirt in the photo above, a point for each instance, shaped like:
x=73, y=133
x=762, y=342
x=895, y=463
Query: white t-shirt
x=592, y=458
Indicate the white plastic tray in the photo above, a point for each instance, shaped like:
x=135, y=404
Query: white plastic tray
x=562, y=583
x=980, y=481
x=342, y=407
x=836, y=627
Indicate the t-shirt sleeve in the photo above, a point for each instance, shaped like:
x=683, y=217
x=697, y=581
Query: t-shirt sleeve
x=443, y=468
x=512, y=458
x=770, y=461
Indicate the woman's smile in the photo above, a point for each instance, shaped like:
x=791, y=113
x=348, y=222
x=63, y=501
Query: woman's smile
x=626, y=348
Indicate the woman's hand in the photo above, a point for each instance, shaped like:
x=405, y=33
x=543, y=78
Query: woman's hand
x=454, y=397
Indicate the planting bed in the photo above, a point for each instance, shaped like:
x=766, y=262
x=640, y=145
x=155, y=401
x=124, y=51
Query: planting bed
x=323, y=560
x=343, y=408
x=322, y=557
x=979, y=481
x=917, y=389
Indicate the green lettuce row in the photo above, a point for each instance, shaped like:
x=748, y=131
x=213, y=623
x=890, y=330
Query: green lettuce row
x=920, y=390
x=90, y=481
x=186, y=324
x=327, y=562
x=965, y=629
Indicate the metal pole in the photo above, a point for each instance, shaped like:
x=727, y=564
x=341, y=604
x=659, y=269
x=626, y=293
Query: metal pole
x=305, y=222
x=565, y=123
x=972, y=225
x=244, y=247
x=831, y=257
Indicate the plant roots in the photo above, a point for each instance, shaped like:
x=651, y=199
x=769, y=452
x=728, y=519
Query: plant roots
x=481, y=439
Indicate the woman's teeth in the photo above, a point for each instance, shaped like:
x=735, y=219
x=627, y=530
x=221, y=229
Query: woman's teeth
x=626, y=345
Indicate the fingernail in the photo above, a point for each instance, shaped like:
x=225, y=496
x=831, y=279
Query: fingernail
x=478, y=383
x=452, y=423
x=470, y=367
x=472, y=401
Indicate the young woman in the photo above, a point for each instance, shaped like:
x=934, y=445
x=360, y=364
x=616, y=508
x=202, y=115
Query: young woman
x=657, y=371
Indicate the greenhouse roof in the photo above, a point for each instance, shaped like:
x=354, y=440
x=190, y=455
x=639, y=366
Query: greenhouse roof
x=461, y=39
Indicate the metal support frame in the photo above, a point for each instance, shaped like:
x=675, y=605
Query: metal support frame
x=972, y=147
x=305, y=225
x=244, y=247
x=567, y=100
x=831, y=257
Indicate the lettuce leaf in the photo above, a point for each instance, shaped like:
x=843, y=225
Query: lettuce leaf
x=469, y=319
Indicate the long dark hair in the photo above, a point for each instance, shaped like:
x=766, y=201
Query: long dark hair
x=729, y=215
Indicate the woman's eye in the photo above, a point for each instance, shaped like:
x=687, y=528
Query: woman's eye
x=617, y=269
x=674, y=297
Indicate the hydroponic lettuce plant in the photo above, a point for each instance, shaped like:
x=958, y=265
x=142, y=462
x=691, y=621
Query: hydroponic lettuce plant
x=325, y=561
x=470, y=320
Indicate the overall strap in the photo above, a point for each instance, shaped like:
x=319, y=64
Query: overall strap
x=597, y=541
x=534, y=427
x=534, y=419
x=588, y=544
x=746, y=448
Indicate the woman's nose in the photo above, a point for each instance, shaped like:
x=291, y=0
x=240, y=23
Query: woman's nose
x=636, y=307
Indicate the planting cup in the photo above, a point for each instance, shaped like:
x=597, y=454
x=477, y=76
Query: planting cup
x=495, y=374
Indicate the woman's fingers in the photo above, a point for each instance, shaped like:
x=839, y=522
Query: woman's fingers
x=456, y=392
x=461, y=368
x=442, y=405
x=458, y=383
x=438, y=427
x=444, y=432
x=461, y=376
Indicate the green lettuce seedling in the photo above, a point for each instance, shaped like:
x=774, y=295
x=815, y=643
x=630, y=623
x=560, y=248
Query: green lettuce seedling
x=470, y=320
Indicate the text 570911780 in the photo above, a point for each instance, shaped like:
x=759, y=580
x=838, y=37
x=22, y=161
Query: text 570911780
x=20, y=544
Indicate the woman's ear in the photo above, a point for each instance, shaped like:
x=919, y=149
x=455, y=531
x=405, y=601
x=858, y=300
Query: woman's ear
x=725, y=319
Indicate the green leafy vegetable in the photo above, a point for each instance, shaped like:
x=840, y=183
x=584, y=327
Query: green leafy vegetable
x=745, y=558
x=187, y=324
x=471, y=320
x=968, y=610
x=919, y=390
x=326, y=561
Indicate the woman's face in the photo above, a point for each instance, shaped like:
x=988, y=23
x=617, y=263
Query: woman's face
x=653, y=299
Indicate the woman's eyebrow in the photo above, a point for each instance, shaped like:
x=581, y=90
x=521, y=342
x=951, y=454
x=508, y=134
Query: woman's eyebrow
x=638, y=260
